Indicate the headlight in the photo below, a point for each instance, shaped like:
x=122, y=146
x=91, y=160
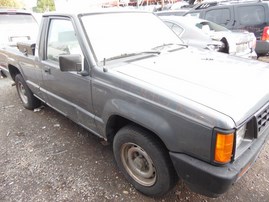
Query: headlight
x=216, y=46
x=240, y=135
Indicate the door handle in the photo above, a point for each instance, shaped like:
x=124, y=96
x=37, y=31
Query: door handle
x=47, y=70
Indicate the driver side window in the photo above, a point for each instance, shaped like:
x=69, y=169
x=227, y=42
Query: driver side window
x=62, y=40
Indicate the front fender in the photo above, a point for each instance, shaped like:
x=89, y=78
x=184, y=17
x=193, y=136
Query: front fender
x=141, y=115
x=177, y=133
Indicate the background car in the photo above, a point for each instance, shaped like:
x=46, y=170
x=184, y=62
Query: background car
x=252, y=16
x=178, y=12
x=17, y=25
x=191, y=35
x=197, y=32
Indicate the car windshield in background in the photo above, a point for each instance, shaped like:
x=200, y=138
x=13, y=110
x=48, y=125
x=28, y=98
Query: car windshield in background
x=113, y=34
x=16, y=19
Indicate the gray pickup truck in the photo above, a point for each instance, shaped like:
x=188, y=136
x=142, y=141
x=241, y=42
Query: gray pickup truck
x=170, y=111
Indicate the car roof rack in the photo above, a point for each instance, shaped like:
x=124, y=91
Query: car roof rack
x=205, y=5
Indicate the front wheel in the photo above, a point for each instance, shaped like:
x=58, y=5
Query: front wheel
x=29, y=101
x=144, y=161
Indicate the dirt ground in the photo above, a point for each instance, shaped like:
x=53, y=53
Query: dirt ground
x=46, y=157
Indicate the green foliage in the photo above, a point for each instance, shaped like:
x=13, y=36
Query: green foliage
x=44, y=6
x=10, y=4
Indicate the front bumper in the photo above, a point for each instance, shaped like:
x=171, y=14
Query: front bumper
x=210, y=180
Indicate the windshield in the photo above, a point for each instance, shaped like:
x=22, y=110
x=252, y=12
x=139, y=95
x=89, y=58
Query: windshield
x=116, y=34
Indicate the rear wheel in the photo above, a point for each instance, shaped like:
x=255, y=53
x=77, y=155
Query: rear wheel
x=29, y=101
x=144, y=161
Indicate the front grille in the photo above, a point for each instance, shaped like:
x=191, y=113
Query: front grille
x=262, y=120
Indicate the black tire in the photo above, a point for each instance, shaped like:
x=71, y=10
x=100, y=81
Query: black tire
x=226, y=47
x=29, y=101
x=144, y=161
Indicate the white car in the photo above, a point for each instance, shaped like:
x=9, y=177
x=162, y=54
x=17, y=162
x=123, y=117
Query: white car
x=198, y=32
x=17, y=25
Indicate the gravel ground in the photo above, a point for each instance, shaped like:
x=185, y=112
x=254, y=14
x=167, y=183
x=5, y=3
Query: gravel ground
x=46, y=157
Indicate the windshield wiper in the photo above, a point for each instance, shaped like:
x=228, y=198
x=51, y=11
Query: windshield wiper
x=130, y=55
x=156, y=50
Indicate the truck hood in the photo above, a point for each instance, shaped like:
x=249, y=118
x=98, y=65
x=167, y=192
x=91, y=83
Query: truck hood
x=230, y=85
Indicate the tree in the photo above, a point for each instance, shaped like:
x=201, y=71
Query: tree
x=10, y=3
x=45, y=5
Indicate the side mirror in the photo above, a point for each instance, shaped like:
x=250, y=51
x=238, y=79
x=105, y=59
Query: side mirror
x=70, y=63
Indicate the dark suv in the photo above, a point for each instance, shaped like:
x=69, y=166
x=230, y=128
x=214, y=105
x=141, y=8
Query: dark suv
x=252, y=16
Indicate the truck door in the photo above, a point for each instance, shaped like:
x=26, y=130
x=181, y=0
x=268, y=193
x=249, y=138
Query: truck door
x=67, y=92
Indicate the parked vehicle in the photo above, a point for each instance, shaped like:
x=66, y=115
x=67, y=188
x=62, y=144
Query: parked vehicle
x=192, y=35
x=16, y=25
x=169, y=110
x=205, y=34
x=178, y=12
x=252, y=16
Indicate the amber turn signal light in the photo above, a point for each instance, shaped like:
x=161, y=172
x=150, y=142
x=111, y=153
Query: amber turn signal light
x=224, y=147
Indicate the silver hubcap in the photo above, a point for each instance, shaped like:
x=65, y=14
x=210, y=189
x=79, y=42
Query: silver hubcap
x=138, y=164
x=22, y=93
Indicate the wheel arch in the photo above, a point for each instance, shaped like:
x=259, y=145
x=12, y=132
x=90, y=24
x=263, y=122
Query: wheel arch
x=118, y=113
x=116, y=122
x=13, y=70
